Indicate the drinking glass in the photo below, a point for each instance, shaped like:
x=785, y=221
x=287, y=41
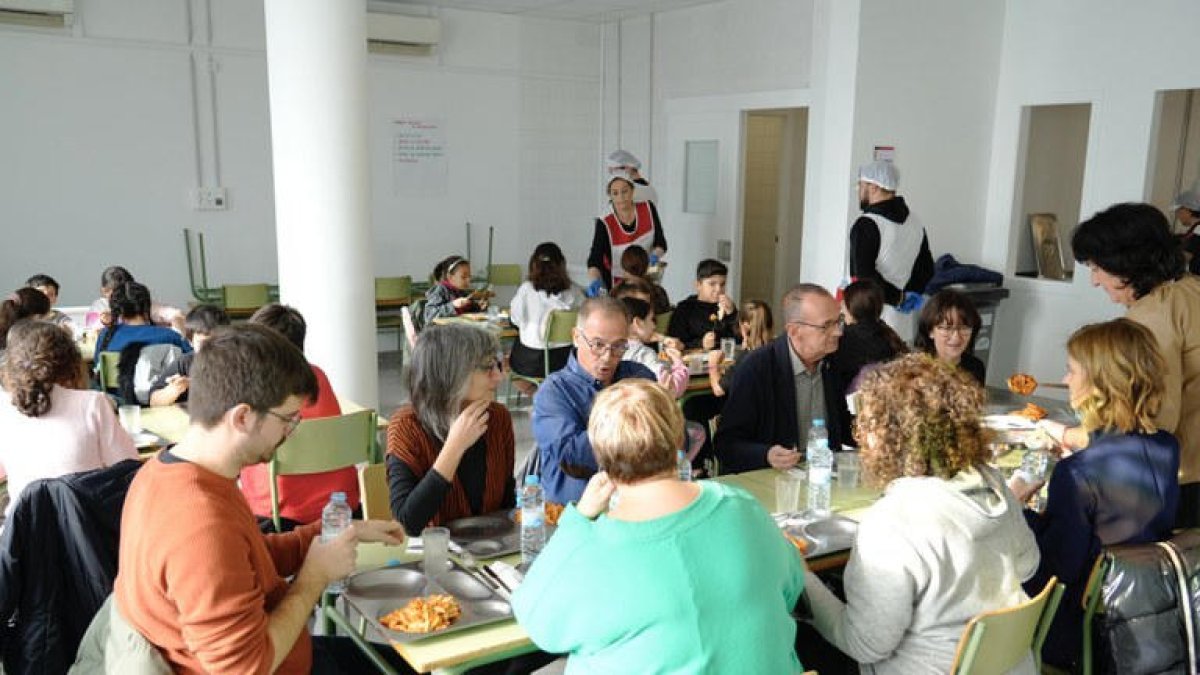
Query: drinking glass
x=728, y=345
x=788, y=486
x=131, y=418
x=848, y=469
x=435, y=542
x=493, y=313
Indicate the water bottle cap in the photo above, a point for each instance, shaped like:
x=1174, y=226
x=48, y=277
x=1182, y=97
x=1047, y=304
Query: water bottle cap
x=818, y=422
x=679, y=454
x=532, y=479
x=337, y=497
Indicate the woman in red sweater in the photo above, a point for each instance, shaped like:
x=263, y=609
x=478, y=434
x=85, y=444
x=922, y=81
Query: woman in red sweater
x=451, y=452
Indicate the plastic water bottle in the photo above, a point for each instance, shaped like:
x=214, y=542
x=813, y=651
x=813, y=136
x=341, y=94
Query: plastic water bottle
x=685, y=467
x=820, y=470
x=533, y=520
x=335, y=519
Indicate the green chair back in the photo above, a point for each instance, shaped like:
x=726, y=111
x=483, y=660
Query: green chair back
x=662, y=321
x=558, y=329
x=396, y=289
x=996, y=642
x=505, y=275
x=109, y=363
x=320, y=445
x=246, y=297
x=1091, y=606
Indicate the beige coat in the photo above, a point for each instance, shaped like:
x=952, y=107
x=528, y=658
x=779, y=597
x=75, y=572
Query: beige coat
x=1172, y=312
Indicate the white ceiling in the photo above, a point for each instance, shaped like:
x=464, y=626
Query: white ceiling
x=579, y=10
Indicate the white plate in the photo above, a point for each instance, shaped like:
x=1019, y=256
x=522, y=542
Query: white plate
x=146, y=439
x=1008, y=422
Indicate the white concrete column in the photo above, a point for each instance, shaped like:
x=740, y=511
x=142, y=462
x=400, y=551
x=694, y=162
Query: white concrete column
x=317, y=71
x=830, y=168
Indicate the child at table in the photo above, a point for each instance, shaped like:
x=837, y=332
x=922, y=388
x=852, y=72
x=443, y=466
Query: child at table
x=99, y=314
x=636, y=262
x=703, y=319
x=49, y=287
x=451, y=293
x=171, y=386
x=757, y=329
x=673, y=374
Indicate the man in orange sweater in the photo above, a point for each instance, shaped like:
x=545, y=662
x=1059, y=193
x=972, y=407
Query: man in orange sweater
x=197, y=578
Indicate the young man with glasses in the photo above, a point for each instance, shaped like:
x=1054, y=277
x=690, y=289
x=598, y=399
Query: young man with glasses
x=564, y=401
x=197, y=578
x=778, y=390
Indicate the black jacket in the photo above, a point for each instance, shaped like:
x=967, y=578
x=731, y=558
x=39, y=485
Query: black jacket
x=864, y=250
x=760, y=409
x=693, y=318
x=58, y=560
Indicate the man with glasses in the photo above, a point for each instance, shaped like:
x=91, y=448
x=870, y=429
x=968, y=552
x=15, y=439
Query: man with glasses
x=197, y=578
x=564, y=401
x=778, y=390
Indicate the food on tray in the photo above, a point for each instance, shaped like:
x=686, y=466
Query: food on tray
x=423, y=615
x=553, y=512
x=1031, y=411
x=1022, y=384
x=799, y=542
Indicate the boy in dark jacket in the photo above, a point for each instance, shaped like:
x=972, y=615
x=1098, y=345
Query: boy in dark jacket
x=704, y=318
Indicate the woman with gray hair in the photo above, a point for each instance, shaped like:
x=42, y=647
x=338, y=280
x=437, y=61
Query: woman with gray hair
x=450, y=452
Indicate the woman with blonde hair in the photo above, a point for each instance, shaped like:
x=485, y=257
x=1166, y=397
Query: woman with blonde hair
x=671, y=601
x=1123, y=489
x=947, y=539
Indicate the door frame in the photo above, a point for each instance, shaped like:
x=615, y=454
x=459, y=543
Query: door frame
x=727, y=116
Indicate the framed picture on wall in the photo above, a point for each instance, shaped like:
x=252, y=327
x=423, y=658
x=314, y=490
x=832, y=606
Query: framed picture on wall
x=1046, y=246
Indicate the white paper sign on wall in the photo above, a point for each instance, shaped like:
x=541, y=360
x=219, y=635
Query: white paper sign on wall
x=418, y=156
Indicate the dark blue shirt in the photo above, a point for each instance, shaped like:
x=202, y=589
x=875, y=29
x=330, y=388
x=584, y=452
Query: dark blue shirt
x=152, y=335
x=1121, y=489
x=560, y=416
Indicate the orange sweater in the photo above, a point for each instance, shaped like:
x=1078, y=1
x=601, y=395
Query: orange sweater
x=197, y=578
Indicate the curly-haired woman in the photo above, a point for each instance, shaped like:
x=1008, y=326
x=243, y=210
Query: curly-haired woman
x=51, y=427
x=1123, y=489
x=945, y=542
x=1139, y=264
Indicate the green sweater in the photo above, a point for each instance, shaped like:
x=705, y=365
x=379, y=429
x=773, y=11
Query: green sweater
x=707, y=589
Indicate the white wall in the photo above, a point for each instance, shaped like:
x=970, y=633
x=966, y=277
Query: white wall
x=1115, y=55
x=709, y=63
x=926, y=85
x=109, y=124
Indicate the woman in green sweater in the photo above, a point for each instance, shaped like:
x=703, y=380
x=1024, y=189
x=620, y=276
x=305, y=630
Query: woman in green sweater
x=677, y=577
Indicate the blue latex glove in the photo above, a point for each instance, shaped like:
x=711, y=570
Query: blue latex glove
x=911, y=303
x=653, y=259
x=594, y=288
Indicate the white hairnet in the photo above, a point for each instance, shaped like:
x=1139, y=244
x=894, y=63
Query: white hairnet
x=880, y=172
x=1188, y=199
x=623, y=158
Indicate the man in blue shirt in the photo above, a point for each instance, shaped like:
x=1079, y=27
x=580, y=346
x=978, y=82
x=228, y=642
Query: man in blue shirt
x=563, y=402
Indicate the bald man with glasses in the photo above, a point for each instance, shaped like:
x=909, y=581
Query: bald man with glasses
x=778, y=390
x=564, y=401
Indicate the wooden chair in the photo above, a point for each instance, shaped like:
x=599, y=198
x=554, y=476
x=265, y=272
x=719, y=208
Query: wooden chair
x=243, y=299
x=997, y=641
x=373, y=491
x=559, y=324
x=320, y=445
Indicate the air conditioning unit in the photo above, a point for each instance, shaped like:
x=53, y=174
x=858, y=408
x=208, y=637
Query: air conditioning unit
x=41, y=13
x=400, y=33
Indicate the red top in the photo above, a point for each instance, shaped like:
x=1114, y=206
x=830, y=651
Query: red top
x=198, y=579
x=301, y=498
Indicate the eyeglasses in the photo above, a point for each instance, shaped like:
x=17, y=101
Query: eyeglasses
x=838, y=323
x=601, y=349
x=290, y=422
x=948, y=329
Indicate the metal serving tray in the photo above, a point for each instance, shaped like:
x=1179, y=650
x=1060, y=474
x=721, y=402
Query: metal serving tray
x=492, y=535
x=824, y=536
x=375, y=593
